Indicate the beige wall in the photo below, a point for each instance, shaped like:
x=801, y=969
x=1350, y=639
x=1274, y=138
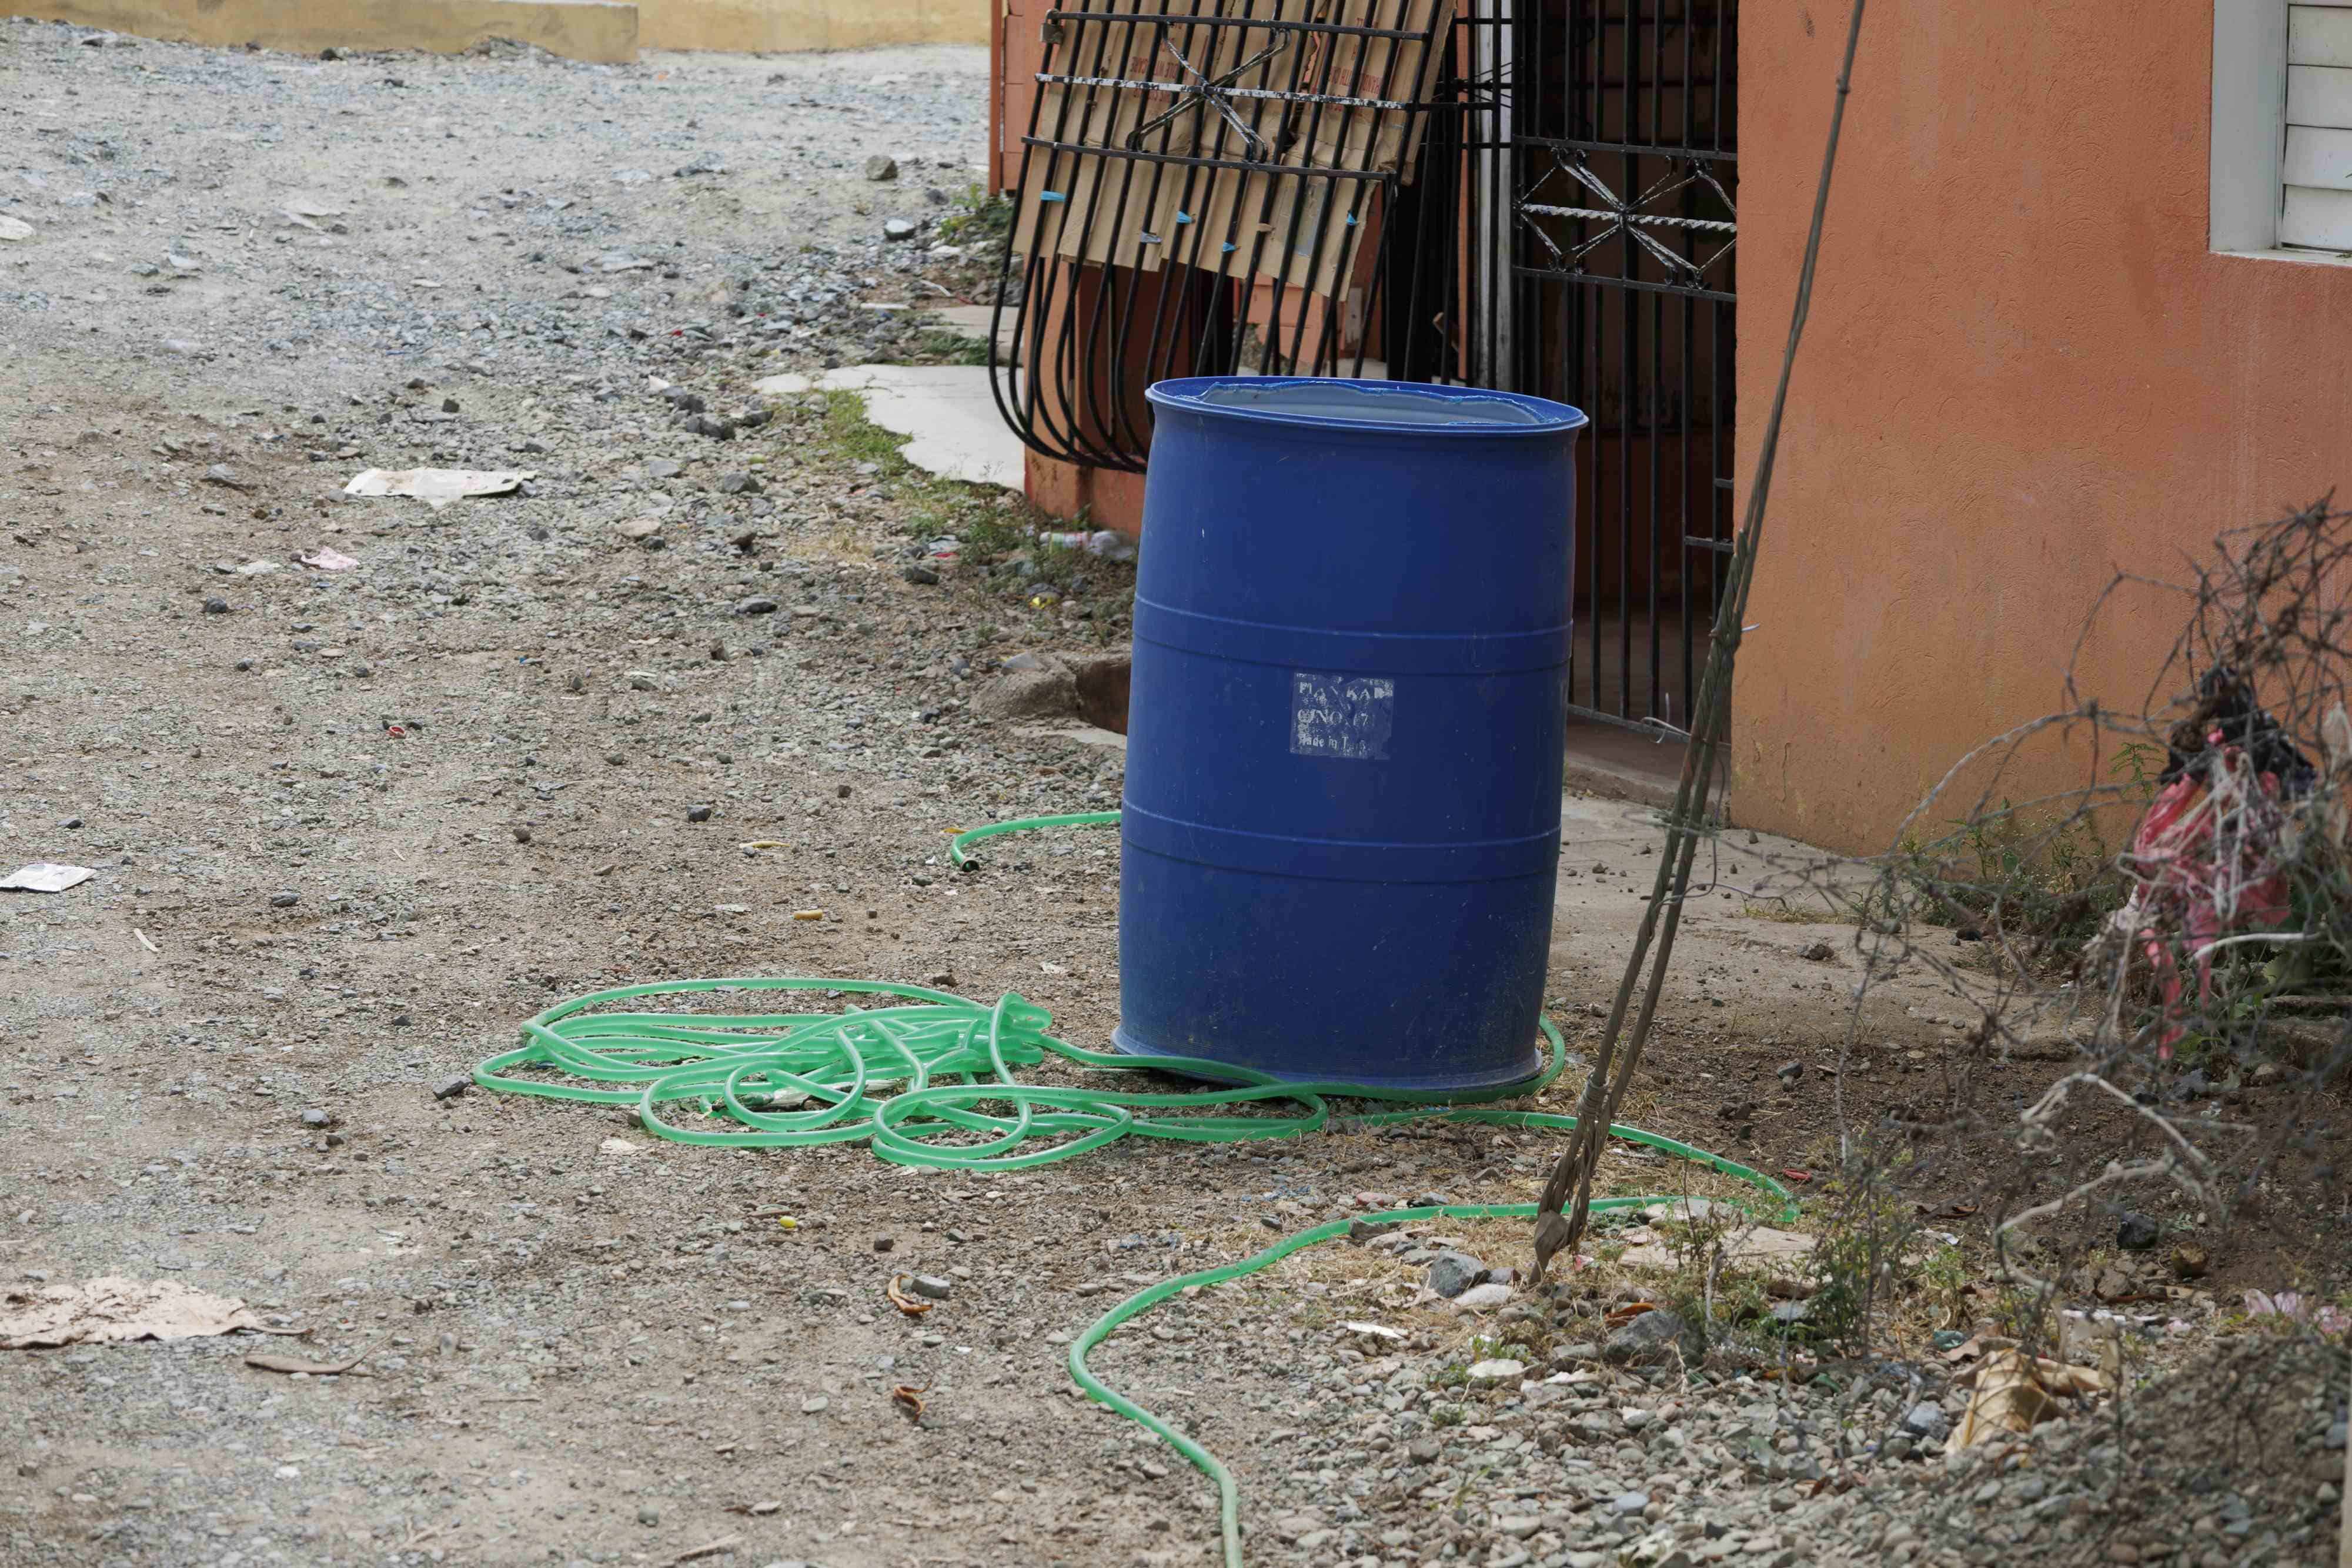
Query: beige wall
x=786, y=25
x=578, y=29
x=2024, y=369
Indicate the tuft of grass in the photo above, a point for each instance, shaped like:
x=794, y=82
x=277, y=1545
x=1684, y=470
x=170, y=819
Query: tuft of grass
x=986, y=219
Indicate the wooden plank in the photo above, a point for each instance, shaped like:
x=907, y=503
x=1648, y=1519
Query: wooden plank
x=2316, y=157
x=2319, y=35
x=2319, y=95
x=2320, y=219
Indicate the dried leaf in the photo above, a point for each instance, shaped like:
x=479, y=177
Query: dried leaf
x=2015, y=1394
x=261, y=1361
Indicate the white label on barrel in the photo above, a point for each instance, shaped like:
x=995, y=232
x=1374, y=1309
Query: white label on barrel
x=1342, y=716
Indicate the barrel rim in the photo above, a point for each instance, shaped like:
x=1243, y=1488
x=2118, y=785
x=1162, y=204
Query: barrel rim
x=1185, y=392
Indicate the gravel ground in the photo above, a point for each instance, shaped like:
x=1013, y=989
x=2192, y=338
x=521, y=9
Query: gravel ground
x=351, y=826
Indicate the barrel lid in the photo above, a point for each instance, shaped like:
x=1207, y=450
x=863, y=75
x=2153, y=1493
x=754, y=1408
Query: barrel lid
x=1332, y=402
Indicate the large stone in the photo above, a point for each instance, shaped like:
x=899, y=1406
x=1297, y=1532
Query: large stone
x=1044, y=689
x=1651, y=1336
x=1451, y=1273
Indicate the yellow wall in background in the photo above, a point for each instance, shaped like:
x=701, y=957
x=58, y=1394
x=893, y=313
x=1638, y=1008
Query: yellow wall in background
x=782, y=26
x=578, y=29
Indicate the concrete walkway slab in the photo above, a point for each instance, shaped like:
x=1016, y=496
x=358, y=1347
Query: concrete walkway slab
x=946, y=412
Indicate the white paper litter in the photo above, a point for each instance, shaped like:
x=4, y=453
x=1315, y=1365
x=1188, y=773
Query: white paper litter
x=115, y=1308
x=329, y=558
x=44, y=876
x=436, y=487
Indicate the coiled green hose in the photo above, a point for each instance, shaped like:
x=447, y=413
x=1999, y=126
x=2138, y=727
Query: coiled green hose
x=910, y=1080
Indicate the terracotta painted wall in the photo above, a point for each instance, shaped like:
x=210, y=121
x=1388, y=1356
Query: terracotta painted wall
x=2024, y=369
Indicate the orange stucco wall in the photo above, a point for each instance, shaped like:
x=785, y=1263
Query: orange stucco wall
x=2023, y=371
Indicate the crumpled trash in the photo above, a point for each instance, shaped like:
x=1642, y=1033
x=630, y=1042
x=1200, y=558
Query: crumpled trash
x=113, y=1309
x=436, y=487
x=2212, y=852
x=2016, y=1393
x=2297, y=1307
x=44, y=876
x=1102, y=542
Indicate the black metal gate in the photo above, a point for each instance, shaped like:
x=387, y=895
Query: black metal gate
x=1532, y=195
x=1620, y=126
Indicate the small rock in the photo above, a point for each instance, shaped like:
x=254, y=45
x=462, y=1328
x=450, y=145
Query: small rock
x=919, y=574
x=715, y=429
x=897, y=229
x=697, y=813
x=1928, y=1421
x=1949, y=1339
x=881, y=167
x=758, y=604
x=1790, y=1072
x=932, y=1287
x=284, y=900
x=522, y=835
x=2137, y=1232
x=1650, y=1336
x=1502, y=1370
x=738, y=484
x=450, y=1088
x=448, y=405
x=816, y=1406
x=1629, y=1503
x=1451, y=1273
x=1483, y=1298
x=70, y=823
x=215, y=605
x=315, y=1117
x=648, y=1514
x=2191, y=1260
x=1820, y=952
x=1426, y=1450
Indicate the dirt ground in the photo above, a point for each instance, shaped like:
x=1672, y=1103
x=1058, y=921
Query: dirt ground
x=349, y=827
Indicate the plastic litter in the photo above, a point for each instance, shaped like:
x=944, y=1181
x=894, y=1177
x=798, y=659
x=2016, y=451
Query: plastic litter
x=436, y=487
x=44, y=876
x=1101, y=542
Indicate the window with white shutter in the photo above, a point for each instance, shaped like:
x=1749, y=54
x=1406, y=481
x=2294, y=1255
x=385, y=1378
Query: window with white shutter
x=2315, y=171
x=2281, y=179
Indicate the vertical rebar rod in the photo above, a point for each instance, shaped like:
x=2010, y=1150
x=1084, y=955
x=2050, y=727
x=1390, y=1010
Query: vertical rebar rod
x=1566, y=1207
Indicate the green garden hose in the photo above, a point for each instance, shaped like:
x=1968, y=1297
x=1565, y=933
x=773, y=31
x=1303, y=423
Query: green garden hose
x=911, y=1078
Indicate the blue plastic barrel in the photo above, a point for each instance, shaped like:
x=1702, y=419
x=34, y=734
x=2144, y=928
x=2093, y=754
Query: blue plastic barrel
x=1343, y=775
